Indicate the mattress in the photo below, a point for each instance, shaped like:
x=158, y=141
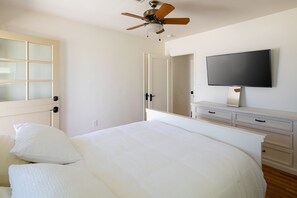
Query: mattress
x=153, y=159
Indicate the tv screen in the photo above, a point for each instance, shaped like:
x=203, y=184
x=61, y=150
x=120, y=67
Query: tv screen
x=251, y=69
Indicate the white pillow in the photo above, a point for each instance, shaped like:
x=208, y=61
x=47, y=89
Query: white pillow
x=5, y=192
x=41, y=143
x=6, y=158
x=52, y=180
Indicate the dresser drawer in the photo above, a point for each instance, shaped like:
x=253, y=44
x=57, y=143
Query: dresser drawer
x=262, y=121
x=283, y=140
x=279, y=139
x=278, y=156
x=214, y=114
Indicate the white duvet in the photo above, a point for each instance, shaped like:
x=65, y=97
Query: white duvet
x=156, y=160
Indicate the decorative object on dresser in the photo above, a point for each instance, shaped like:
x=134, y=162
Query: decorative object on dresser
x=233, y=96
x=279, y=149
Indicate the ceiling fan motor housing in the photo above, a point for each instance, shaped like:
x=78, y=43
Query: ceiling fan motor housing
x=150, y=14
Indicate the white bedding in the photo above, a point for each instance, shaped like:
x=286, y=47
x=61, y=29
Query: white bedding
x=43, y=180
x=156, y=160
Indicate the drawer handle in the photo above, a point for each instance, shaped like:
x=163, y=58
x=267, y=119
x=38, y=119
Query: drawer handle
x=263, y=151
x=211, y=112
x=260, y=120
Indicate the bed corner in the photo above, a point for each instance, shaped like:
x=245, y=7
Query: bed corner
x=249, y=142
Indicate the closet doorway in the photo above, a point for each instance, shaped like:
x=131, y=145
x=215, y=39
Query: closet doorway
x=182, y=84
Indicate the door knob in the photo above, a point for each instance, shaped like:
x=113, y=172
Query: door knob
x=151, y=97
x=146, y=96
x=55, y=109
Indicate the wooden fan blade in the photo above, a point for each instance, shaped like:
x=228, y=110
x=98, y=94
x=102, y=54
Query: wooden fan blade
x=160, y=31
x=164, y=10
x=137, y=26
x=133, y=15
x=177, y=21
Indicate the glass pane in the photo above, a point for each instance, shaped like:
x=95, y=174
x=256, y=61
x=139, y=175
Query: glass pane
x=12, y=70
x=40, y=52
x=12, y=92
x=39, y=90
x=40, y=71
x=12, y=49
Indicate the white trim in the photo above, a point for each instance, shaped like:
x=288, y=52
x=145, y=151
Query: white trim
x=169, y=96
x=144, y=83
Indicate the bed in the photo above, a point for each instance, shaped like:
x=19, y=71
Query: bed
x=166, y=156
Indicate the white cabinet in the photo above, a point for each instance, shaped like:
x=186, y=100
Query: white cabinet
x=279, y=149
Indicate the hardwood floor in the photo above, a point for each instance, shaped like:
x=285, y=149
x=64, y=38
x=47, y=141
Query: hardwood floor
x=279, y=183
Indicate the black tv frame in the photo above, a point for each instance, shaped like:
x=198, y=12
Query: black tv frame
x=258, y=81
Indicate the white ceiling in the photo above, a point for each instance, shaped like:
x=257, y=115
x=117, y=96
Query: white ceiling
x=204, y=14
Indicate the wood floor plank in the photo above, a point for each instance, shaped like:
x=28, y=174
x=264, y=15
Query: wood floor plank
x=279, y=184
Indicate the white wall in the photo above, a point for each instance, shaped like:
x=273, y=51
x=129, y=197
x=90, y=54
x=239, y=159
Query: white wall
x=277, y=32
x=100, y=69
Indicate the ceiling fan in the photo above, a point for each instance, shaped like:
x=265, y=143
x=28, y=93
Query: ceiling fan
x=155, y=18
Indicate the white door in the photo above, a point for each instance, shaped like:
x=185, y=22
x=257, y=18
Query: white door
x=28, y=80
x=156, y=82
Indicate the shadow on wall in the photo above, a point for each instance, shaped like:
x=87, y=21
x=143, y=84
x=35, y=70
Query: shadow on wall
x=275, y=53
x=6, y=14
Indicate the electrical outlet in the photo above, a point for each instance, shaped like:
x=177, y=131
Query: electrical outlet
x=95, y=123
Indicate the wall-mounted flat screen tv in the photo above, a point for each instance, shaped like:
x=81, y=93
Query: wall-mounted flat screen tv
x=251, y=69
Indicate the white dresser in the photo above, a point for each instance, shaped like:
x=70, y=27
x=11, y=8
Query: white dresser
x=280, y=147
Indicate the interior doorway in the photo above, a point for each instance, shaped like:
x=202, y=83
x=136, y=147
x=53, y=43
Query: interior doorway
x=168, y=83
x=182, y=84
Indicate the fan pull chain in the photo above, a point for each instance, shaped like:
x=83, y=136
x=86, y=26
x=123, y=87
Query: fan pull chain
x=159, y=37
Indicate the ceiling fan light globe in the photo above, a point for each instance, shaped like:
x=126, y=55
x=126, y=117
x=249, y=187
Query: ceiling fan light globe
x=154, y=27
